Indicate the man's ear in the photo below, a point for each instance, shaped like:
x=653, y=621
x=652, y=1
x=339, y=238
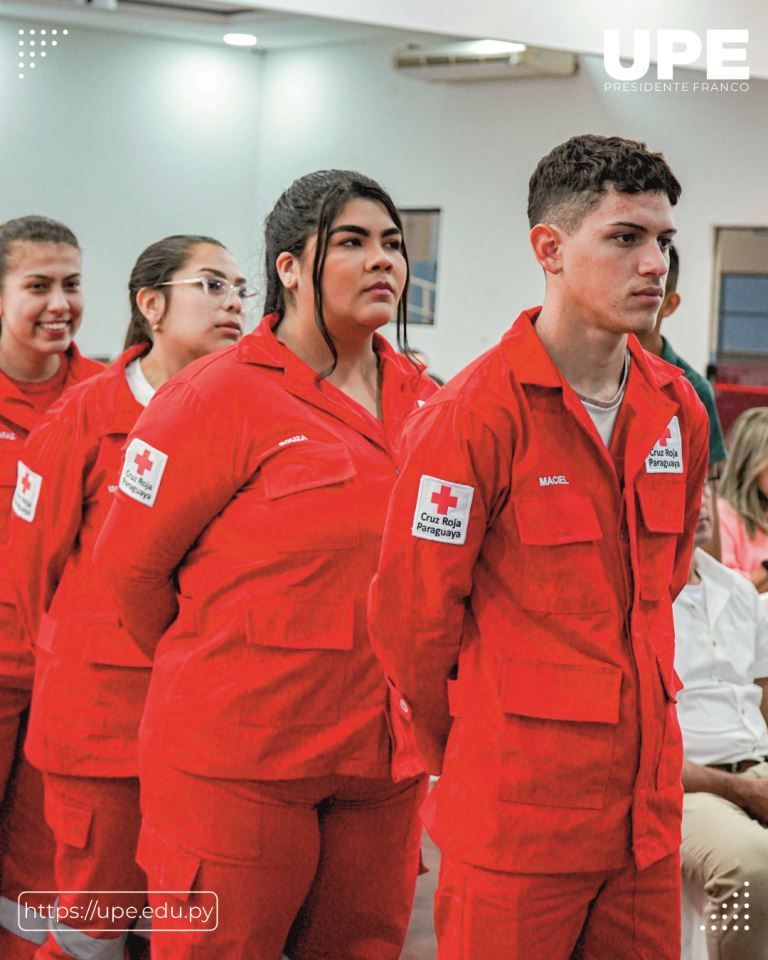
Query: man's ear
x=669, y=304
x=547, y=241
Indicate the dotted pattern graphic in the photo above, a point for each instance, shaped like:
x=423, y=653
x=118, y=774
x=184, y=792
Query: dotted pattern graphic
x=34, y=45
x=738, y=919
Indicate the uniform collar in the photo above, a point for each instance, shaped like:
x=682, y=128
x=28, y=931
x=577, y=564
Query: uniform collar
x=719, y=584
x=16, y=405
x=528, y=357
x=402, y=381
x=121, y=414
x=263, y=348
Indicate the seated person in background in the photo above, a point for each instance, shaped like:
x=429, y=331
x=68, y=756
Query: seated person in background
x=655, y=343
x=721, y=629
x=743, y=504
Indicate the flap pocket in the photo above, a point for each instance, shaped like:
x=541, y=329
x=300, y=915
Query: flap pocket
x=298, y=624
x=561, y=691
x=304, y=466
x=662, y=504
x=557, y=517
x=168, y=868
x=70, y=823
x=670, y=679
x=105, y=642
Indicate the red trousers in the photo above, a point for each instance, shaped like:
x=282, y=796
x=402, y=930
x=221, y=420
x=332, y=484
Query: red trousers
x=26, y=843
x=96, y=825
x=324, y=866
x=618, y=915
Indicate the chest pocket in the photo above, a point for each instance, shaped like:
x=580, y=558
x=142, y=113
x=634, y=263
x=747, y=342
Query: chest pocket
x=312, y=498
x=560, y=563
x=662, y=510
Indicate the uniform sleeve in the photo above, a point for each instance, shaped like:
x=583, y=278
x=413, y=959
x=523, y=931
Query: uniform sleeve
x=179, y=471
x=697, y=473
x=47, y=510
x=453, y=475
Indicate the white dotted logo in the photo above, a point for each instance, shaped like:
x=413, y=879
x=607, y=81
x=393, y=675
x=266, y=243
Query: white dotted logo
x=34, y=45
x=734, y=913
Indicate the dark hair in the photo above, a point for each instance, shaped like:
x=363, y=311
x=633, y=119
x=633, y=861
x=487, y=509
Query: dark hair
x=573, y=177
x=674, y=270
x=156, y=265
x=31, y=229
x=310, y=205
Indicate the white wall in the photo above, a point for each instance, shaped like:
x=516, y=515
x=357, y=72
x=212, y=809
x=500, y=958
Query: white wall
x=470, y=150
x=127, y=139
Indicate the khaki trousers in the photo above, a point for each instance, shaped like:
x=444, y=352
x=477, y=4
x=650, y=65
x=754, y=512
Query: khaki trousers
x=725, y=855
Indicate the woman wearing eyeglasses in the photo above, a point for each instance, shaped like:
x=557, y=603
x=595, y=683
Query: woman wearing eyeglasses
x=186, y=296
x=242, y=563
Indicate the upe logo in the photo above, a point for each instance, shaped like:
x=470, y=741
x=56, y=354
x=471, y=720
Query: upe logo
x=679, y=48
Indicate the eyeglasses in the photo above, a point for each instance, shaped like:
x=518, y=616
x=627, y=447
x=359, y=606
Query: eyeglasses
x=216, y=288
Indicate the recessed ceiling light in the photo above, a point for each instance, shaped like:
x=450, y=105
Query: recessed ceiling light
x=240, y=39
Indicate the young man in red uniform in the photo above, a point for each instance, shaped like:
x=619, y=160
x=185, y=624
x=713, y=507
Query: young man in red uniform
x=537, y=535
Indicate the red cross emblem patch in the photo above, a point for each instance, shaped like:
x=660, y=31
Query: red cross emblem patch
x=27, y=492
x=667, y=453
x=143, y=468
x=442, y=510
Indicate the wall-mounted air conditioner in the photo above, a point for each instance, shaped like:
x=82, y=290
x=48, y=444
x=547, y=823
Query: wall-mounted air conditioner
x=473, y=60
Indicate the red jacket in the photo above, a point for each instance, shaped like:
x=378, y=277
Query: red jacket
x=255, y=502
x=90, y=678
x=17, y=417
x=522, y=608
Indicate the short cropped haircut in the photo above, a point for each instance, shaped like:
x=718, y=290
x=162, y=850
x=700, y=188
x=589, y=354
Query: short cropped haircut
x=572, y=179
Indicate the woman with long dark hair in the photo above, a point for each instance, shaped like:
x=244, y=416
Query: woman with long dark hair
x=240, y=545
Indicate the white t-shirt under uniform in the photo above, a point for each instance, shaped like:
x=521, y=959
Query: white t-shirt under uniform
x=721, y=649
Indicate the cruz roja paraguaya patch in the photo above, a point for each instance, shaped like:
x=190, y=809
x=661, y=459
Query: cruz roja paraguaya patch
x=27, y=492
x=667, y=453
x=442, y=510
x=142, y=471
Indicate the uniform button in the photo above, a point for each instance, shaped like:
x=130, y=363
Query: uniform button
x=397, y=471
x=404, y=706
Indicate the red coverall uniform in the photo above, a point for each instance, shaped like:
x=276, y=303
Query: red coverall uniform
x=522, y=609
x=90, y=677
x=26, y=842
x=256, y=497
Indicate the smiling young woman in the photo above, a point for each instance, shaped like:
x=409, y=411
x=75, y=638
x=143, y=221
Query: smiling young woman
x=41, y=306
x=264, y=750
x=187, y=298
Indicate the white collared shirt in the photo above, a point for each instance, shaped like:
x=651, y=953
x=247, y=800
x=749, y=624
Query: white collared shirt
x=140, y=387
x=721, y=649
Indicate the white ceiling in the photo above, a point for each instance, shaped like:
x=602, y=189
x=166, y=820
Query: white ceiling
x=202, y=20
